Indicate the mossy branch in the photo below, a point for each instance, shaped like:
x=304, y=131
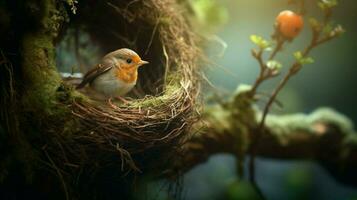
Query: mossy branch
x=325, y=136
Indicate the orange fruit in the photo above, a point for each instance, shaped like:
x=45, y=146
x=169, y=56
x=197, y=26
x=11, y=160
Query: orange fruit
x=289, y=24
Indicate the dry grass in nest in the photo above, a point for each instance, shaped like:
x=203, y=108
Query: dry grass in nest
x=155, y=124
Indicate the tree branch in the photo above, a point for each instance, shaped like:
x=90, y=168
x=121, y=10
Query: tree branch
x=324, y=136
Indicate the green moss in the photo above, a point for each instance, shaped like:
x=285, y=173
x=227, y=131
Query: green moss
x=41, y=77
x=42, y=100
x=242, y=119
x=284, y=125
x=330, y=116
x=219, y=117
x=171, y=88
x=235, y=117
x=67, y=94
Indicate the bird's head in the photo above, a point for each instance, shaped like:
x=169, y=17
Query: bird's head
x=125, y=58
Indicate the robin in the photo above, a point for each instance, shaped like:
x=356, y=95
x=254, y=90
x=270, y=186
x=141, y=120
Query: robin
x=116, y=74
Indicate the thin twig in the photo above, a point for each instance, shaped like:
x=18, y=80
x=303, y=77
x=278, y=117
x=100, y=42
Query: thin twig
x=167, y=65
x=265, y=73
x=294, y=69
x=152, y=36
x=59, y=174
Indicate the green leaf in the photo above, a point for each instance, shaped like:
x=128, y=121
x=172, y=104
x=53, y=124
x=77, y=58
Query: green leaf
x=268, y=48
x=303, y=60
x=298, y=55
x=259, y=41
x=255, y=39
x=209, y=13
x=328, y=28
x=307, y=60
x=315, y=24
x=274, y=65
x=327, y=4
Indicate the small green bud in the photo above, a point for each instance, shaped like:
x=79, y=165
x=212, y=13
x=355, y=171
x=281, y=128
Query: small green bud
x=338, y=30
x=303, y=60
x=274, y=65
x=260, y=42
x=315, y=24
x=327, y=4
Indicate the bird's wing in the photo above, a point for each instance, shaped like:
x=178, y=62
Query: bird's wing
x=94, y=73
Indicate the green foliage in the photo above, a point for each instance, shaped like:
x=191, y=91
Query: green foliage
x=303, y=60
x=274, y=65
x=241, y=190
x=328, y=28
x=260, y=42
x=337, y=31
x=315, y=24
x=209, y=13
x=327, y=4
x=299, y=183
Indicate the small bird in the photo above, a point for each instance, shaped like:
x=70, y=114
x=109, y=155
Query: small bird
x=116, y=74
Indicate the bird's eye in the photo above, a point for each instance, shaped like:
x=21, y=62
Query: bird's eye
x=129, y=61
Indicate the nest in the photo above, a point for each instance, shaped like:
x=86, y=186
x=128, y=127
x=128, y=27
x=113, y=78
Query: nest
x=149, y=131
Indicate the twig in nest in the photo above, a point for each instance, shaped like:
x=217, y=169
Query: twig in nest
x=167, y=65
x=152, y=36
x=60, y=176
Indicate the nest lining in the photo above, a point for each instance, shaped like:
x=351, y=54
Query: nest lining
x=154, y=124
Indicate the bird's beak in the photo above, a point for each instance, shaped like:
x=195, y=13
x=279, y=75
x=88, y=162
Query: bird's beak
x=143, y=62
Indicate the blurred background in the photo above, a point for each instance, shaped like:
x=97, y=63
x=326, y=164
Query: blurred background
x=330, y=81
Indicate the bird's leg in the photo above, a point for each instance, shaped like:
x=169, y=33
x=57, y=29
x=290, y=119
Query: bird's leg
x=111, y=103
x=122, y=99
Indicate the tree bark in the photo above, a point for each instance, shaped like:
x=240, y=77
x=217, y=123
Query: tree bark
x=325, y=136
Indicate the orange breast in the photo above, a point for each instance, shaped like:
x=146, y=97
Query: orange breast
x=127, y=75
